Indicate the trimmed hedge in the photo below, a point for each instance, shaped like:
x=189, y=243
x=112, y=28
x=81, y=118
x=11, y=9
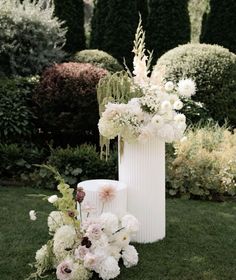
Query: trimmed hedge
x=99, y=59
x=214, y=70
x=66, y=102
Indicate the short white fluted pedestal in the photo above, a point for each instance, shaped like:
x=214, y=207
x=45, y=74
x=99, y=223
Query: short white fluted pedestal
x=142, y=168
x=117, y=206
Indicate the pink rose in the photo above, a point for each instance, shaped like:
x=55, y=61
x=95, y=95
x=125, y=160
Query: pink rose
x=94, y=231
x=64, y=270
x=80, y=252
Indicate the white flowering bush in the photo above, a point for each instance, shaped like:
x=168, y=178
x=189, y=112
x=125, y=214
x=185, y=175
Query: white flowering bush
x=31, y=36
x=82, y=246
x=152, y=109
x=204, y=164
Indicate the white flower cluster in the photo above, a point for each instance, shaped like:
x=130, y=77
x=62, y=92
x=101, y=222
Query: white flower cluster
x=155, y=113
x=152, y=115
x=105, y=241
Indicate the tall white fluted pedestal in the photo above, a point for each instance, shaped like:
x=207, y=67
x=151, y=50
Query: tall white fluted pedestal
x=117, y=206
x=142, y=168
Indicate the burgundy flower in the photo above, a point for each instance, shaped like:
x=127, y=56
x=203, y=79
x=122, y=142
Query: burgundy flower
x=80, y=195
x=86, y=242
x=71, y=213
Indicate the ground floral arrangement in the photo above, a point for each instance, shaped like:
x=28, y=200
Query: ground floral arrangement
x=89, y=244
x=141, y=106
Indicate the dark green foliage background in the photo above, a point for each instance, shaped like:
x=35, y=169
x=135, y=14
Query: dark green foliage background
x=72, y=12
x=168, y=25
x=219, y=27
x=17, y=119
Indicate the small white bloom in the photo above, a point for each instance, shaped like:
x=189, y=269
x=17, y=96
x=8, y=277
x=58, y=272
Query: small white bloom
x=42, y=255
x=130, y=256
x=180, y=118
x=157, y=120
x=186, y=87
x=52, y=198
x=169, y=86
x=122, y=238
x=166, y=106
x=183, y=139
x=178, y=105
x=32, y=215
x=130, y=223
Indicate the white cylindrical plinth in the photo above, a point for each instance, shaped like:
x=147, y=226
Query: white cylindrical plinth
x=117, y=206
x=142, y=168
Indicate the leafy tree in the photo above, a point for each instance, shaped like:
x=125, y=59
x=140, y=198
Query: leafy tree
x=220, y=25
x=168, y=25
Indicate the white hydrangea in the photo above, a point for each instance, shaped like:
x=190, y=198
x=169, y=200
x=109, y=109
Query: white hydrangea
x=130, y=256
x=108, y=269
x=109, y=222
x=167, y=133
x=56, y=219
x=115, y=252
x=130, y=223
x=186, y=88
x=64, y=239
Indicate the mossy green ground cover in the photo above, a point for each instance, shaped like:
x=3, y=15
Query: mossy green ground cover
x=200, y=242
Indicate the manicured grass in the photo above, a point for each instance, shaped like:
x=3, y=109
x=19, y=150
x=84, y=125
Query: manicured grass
x=200, y=242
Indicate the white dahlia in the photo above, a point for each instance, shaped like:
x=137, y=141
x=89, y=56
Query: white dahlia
x=186, y=88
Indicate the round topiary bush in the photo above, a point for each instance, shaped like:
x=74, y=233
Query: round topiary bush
x=66, y=102
x=31, y=37
x=214, y=70
x=98, y=58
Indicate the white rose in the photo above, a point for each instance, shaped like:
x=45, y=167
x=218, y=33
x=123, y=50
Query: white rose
x=178, y=105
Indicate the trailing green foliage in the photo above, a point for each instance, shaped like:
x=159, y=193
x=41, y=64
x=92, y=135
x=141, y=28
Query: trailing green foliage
x=66, y=101
x=113, y=28
x=204, y=164
x=72, y=13
x=31, y=37
x=168, y=25
x=214, y=70
x=75, y=165
x=17, y=120
x=99, y=59
x=220, y=24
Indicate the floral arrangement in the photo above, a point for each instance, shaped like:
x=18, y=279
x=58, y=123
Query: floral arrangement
x=81, y=246
x=148, y=108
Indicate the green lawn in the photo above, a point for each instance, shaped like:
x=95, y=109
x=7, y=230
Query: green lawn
x=200, y=242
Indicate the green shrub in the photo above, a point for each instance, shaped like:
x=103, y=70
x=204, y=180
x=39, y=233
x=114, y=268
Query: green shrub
x=17, y=120
x=214, y=70
x=219, y=26
x=17, y=161
x=204, y=164
x=99, y=59
x=31, y=38
x=75, y=165
x=72, y=13
x=168, y=25
x=67, y=102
